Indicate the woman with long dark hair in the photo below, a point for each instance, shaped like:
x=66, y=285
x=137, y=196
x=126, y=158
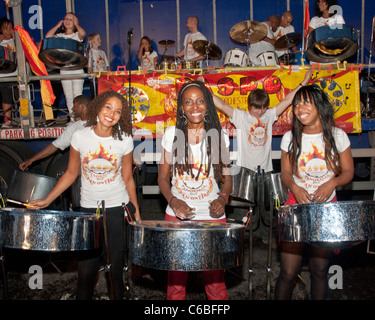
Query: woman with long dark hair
x=194, y=175
x=315, y=159
x=326, y=13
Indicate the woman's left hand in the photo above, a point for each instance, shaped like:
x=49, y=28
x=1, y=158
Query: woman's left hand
x=217, y=207
x=323, y=193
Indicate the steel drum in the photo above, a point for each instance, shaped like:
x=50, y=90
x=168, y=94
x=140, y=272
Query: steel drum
x=243, y=183
x=64, y=54
x=186, y=245
x=26, y=186
x=330, y=223
x=332, y=43
x=273, y=183
x=48, y=230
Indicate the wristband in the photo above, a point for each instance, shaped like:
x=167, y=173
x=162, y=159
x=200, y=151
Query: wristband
x=224, y=195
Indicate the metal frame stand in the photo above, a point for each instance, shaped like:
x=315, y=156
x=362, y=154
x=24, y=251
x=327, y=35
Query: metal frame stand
x=5, y=278
x=126, y=252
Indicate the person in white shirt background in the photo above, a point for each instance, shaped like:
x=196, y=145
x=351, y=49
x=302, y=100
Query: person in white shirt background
x=97, y=60
x=147, y=55
x=325, y=14
x=188, y=51
x=284, y=28
x=70, y=29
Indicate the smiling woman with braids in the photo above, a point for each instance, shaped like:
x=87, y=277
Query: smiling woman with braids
x=195, y=155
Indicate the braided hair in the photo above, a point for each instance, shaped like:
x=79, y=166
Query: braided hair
x=124, y=124
x=213, y=137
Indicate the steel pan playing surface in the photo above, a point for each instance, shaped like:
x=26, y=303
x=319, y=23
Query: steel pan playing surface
x=47, y=230
x=332, y=222
x=185, y=245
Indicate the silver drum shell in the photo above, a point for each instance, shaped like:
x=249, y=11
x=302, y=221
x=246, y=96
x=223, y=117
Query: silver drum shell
x=186, y=245
x=47, y=230
x=332, y=222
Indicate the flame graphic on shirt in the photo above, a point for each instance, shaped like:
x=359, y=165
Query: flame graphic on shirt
x=258, y=134
x=313, y=163
x=100, y=162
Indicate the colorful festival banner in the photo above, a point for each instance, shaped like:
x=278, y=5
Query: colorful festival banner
x=154, y=95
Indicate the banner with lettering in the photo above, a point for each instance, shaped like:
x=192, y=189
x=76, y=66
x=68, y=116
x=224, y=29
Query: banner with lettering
x=154, y=95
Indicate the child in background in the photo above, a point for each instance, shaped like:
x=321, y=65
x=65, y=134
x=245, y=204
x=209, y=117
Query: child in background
x=7, y=41
x=70, y=30
x=97, y=60
x=147, y=55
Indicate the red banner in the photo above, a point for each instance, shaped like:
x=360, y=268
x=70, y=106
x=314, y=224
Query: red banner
x=154, y=95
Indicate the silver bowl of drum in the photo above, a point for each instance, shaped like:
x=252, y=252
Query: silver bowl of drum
x=186, y=245
x=333, y=223
x=47, y=230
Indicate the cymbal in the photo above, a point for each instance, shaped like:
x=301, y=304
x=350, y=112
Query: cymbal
x=287, y=41
x=207, y=48
x=166, y=42
x=248, y=30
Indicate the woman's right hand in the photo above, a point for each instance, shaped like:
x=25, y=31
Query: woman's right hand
x=25, y=164
x=181, y=209
x=38, y=204
x=301, y=195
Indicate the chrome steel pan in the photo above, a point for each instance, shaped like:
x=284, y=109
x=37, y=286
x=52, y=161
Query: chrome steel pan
x=47, y=230
x=331, y=222
x=185, y=245
x=273, y=183
x=26, y=186
x=243, y=186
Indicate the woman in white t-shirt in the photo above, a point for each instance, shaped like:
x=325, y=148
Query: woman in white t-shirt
x=103, y=153
x=325, y=15
x=70, y=29
x=195, y=155
x=315, y=159
x=146, y=54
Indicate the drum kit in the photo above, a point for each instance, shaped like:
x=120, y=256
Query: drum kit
x=205, y=48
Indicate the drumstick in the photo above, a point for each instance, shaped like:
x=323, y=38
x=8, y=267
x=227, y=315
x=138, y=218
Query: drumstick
x=21, y=203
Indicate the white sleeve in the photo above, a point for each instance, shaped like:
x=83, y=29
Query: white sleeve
x=285, y=141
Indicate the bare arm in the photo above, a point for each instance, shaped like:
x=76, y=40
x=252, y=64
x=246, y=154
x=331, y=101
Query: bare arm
x=127, y=176
x=287, y=101
x=47, y=151
x=346, y=175
x=64, y=182
x=180, y=207
x=52, y=32
x=81, y=31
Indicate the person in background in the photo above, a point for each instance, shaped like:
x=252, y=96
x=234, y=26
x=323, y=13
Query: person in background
x=195, y=154
x=147, y=55
x=7, y=42
x=103, y=152
x=80, y=104
x=313, y=132
x=188, y=51
x=70, y=29
x=97, y=60
x=325, y=15
x=284, y=28
x=267, y=44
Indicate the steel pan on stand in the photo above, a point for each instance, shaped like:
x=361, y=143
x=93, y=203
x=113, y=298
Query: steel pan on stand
x=8, y=61
x=185, y=245
x=330, y=224
x=332, y=43
x=48, y=230
x=64, y=54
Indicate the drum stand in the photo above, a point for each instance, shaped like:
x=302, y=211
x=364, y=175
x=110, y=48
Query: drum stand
x=107, y=268
x=126, y=250
x=5, y=278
